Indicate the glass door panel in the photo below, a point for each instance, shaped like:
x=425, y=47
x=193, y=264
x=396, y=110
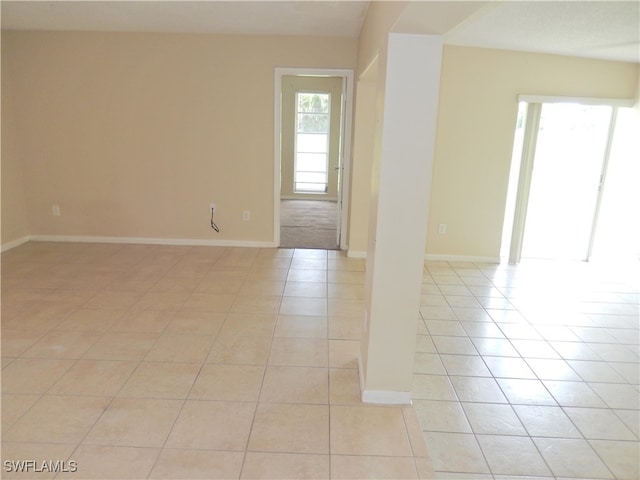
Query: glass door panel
x=311, y=156
x=567, y=169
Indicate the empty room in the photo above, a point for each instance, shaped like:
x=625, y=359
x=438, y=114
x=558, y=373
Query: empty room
x=313, y=239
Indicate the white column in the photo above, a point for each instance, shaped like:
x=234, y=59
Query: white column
x=398, y=222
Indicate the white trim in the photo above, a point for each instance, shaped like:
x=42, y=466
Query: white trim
x=381, y=397
x=460, y=258
x=347, y=138
x=603, y=179
x=360, y=372
x=529, y=145
x=347, y=75
x=437, y=257
x=613, y=102
x=386, y=397
x=309, y=196
x=151, y=241
x=14, y=243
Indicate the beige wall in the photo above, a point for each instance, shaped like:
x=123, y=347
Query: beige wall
x=15, y=225
x=369, y=111
x=476, y=121
x=379, y=20
x=477, y=112
x=133, y=135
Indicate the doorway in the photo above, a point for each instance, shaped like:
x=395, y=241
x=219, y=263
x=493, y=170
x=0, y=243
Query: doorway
x=560, y=162
x=312, y=136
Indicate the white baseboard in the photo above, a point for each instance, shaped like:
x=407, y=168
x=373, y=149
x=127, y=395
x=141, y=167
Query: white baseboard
x=381, y=397
x=14, y=243
x=437, y=258
x=460, y=258
x=386, y=397
x=309, y=197
x=151, y=241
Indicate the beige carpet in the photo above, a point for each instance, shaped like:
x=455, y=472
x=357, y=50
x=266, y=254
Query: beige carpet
x=308, y=224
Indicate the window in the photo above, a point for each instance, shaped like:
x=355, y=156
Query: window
x=311, y=142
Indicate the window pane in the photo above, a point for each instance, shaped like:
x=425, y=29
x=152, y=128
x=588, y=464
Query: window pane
x=311, y=177
x=311, y=187
x=311, y=162
x=311, y=142
x=313, y=102
x=313, y=123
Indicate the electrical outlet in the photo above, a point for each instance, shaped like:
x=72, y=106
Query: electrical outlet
x=212, y=208
x=55, y=210
x=442, y=228
x=246, y=215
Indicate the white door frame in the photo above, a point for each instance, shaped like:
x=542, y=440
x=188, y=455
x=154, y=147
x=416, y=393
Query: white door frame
x=345, y=138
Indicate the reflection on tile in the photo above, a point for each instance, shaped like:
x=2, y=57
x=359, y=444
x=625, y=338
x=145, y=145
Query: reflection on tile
x=546, y=421
x=508, y=367
x=527, y=392
x=599, y=424
x=493, y=419
x=433, y=387
x=478, y=389
x=572, y=458
x=439, y=416
x=455, y=452
x=622, y=458
x=512, y=455
x=573, y=394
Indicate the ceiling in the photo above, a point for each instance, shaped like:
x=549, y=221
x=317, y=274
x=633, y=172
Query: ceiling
x=597, y=29
x=324, y=18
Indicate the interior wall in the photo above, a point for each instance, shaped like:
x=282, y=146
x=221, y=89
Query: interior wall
x=476, y=124
x=15, y=224
x=369, y=113
x=379, y=21
x=363, y=151
x=134, y=135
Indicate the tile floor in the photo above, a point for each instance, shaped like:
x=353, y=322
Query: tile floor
x=529, y=371
x=191, y=362
x=196, y=362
